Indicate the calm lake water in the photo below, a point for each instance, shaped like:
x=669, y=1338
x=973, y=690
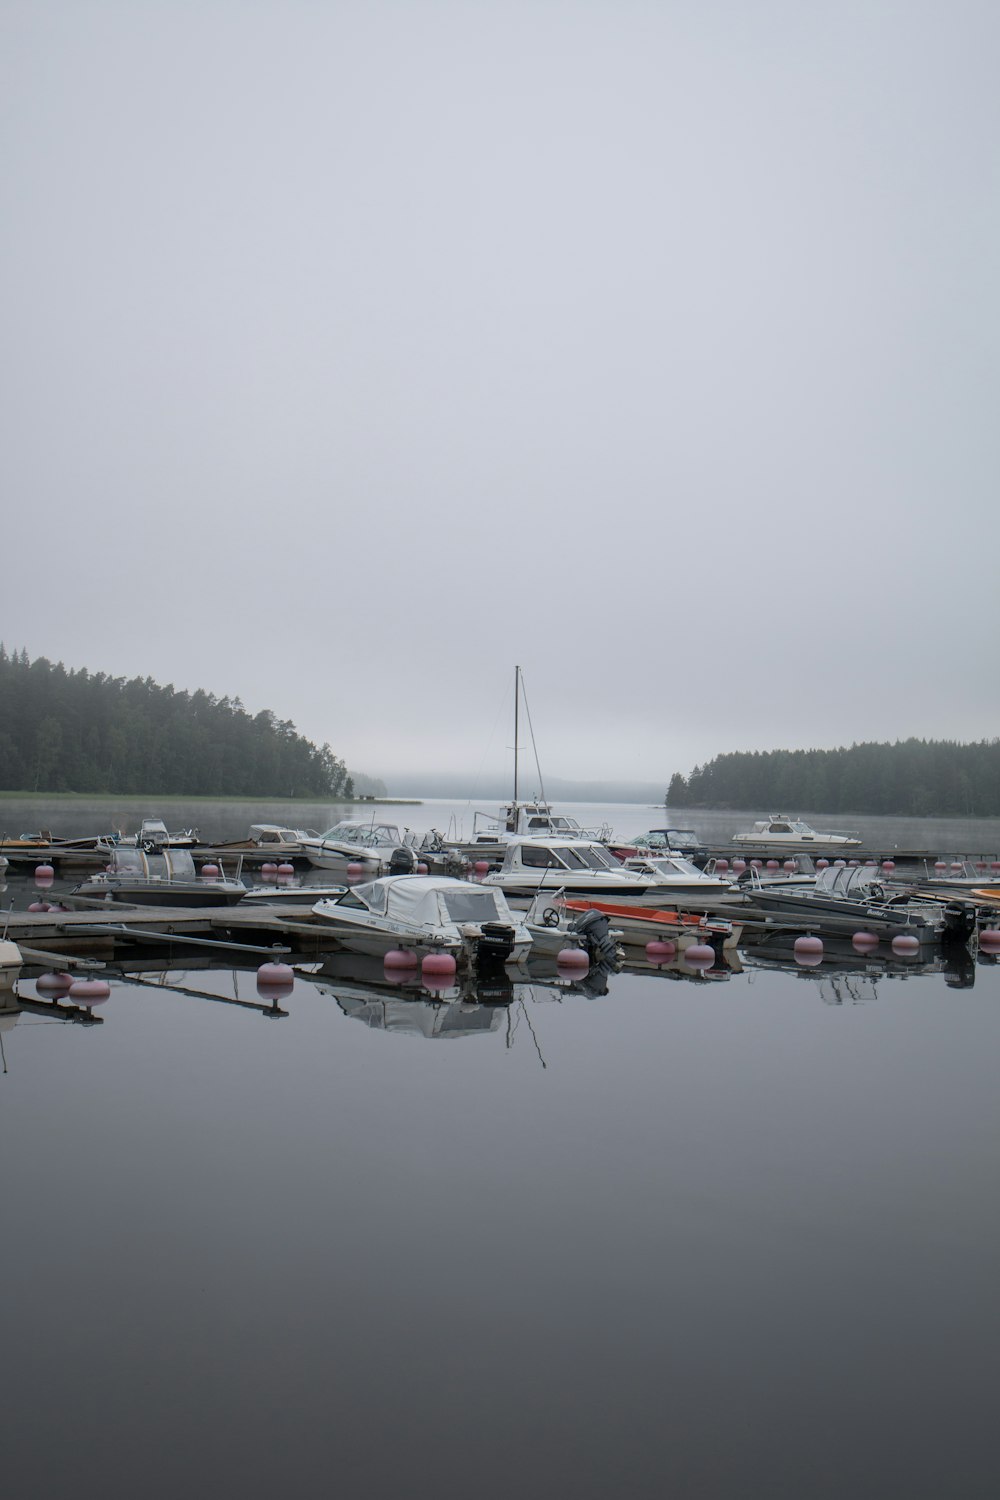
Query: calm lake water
x=733, y=1235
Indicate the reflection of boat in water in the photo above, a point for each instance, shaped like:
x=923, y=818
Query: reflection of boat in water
x=776, y=951
x=781, y=832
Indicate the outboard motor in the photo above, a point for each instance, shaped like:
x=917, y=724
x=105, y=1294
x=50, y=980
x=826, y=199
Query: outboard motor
x=495, y=945
x=402, y=861
x=959, y=922
x=595, y=928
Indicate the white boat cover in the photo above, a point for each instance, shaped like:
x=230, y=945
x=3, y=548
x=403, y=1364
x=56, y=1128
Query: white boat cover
x=428, y=900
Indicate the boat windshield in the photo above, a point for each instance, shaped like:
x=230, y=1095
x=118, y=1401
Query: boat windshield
x=471, y=906
x=373, y=895
x=591, y=856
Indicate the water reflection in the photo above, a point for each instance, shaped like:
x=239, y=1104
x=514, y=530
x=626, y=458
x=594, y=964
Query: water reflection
x=776, y=951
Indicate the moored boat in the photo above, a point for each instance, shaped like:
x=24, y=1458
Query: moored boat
x=783, y=833
x=430, y=914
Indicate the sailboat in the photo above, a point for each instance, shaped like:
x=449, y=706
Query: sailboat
x=491, y=833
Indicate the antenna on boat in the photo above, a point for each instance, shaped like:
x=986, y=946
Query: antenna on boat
x=517, y=701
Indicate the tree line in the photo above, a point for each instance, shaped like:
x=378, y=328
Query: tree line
x=77, y=731
x=921, y=778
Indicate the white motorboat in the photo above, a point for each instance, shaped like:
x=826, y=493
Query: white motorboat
x=378, y=847
x=269, y=838
x=158, y=877
x=431, y=914
x=677, y=875
x=781, y=832
x=530, y=865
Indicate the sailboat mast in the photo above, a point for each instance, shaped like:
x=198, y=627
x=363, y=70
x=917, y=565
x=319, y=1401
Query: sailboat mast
x=517, y=696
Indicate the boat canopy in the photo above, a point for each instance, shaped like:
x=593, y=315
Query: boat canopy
x=428, y=900
x=845, y=880
x=143, y=864
x=367, y=835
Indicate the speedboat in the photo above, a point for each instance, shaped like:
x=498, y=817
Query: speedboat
x=378, y=847
x=846, y=899
x=269, y=838
x=163, y=877
x=675, y=874
x=554, y=929
x=638, y=924
x=431, y=914
x=530, y=865
x=781, y=832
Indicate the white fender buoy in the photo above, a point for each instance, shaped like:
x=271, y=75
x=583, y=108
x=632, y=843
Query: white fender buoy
x=573, y=958
x=699, y=956
x=400, y=958
x=275, y=980
x=808, y=949
x=440, y=965
x=905, y=942
x=658, y=949
x=54, y=984
x=89, y=992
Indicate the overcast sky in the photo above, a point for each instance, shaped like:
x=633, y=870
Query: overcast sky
x=355, y=352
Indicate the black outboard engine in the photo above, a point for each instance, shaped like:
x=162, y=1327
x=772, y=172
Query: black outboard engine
x=402, y=861
x=595, y=928
x=495, y=945
x=959, y=922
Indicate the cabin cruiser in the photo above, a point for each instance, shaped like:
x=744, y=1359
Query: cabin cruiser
x=269, y=838
x=781, y=832
x=530, y=865
x=527, y=820
x=678, y=875
x=846, y=899
x=379, y=847
x=430, y=913
x=162, y=877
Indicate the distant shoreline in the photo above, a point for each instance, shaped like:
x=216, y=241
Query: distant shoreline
x=166, y=798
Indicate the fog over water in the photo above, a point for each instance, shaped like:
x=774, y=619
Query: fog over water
x=355, y=352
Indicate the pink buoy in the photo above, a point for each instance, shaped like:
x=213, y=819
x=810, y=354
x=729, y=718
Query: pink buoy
x=739, y=865
x=438, y=965
x=722, y=865
x=981, y=866
x=822, y=864
x=39, y=906
x=772, y=864
x=89, y=992
x=269, y=871
x=957, y=867
x=210, y=872
x=940, y=866
x=808, y=950
x=755, y=864
x=482, y=867
x=658, y=950
x=354, y=870
x=854, y=864
x=790, y=865
x=888, y=865
x=400, y=958
x=275, y=980
x=905, y=942
x=286, y=869
x=871, y=861
x=864, y=941
x=44, y=872
x=840, y=864
x=699, y=956
x=54, y=984
x=573, y=958
x=421, y=868
x=989, y=938
x=995, y=865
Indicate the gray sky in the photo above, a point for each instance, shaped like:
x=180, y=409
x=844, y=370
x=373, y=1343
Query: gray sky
x=354, y=352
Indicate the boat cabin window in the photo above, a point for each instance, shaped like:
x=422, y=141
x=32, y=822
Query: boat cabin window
x=471, y=906
x=780, y=828
x=596, y=858
x=350, y=898
x=542, y=823
x=538, y=859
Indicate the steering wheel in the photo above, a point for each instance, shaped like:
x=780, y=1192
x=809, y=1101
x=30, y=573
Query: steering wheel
x=550, y=917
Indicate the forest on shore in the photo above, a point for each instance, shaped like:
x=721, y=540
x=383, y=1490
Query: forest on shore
x=77, y=731
x=918, y=778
